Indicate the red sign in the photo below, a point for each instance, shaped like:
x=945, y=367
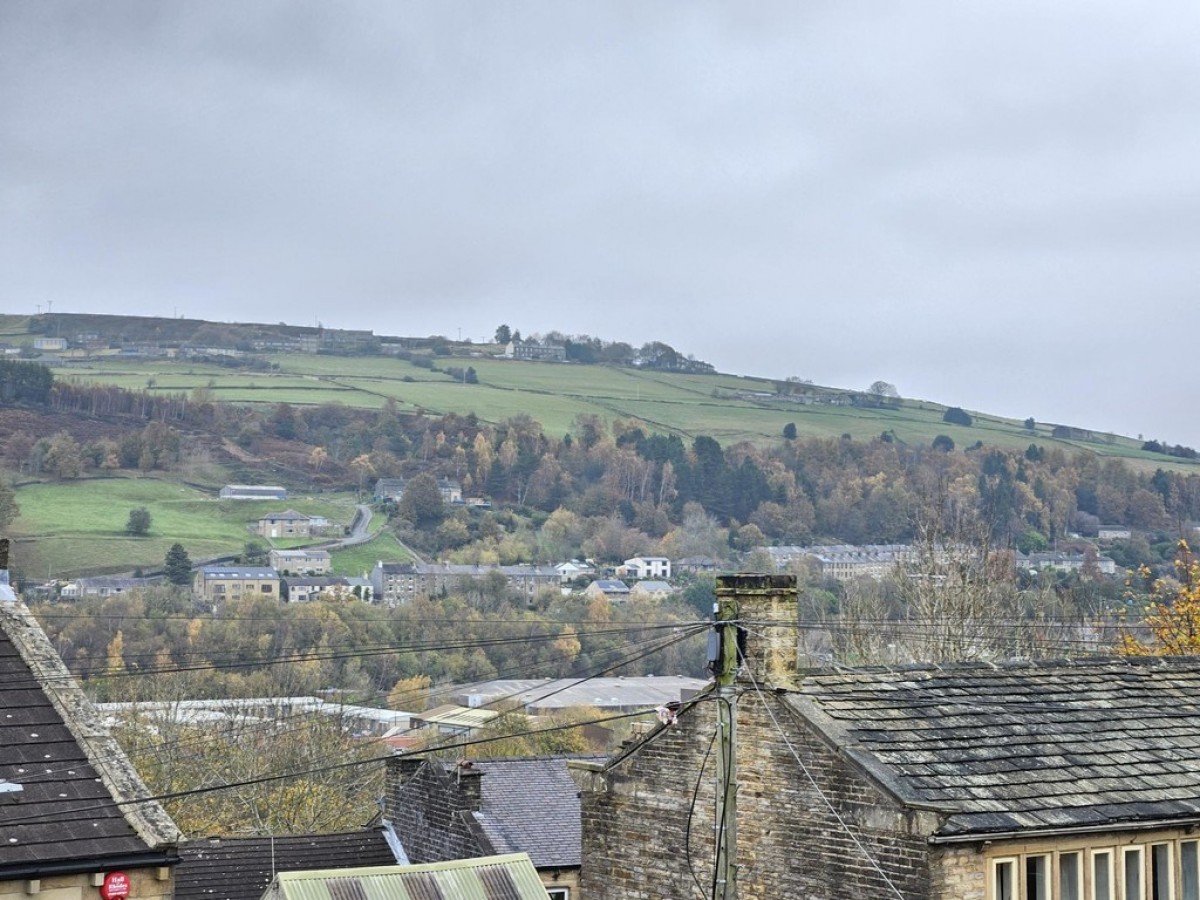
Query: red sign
x=115, y=887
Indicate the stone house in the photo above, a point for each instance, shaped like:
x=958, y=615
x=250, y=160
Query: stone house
x=301, y=562
x=441, y=810
x=652, y=590
x=393, y=489
x=219, y=583
x=288, y=523
x=304, y=589
x=612, y=588
x=75, y=821
x=401, y=582
x=1075, y=780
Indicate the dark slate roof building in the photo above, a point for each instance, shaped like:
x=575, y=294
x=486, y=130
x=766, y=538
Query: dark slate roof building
x=242, y=868
x=71, y=805
x=441, y=810
x=1046, y=780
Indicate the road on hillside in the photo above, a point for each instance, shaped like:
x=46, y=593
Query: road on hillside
x=358, y=534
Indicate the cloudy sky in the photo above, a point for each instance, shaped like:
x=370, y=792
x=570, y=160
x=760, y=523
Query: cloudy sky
x=992, y=204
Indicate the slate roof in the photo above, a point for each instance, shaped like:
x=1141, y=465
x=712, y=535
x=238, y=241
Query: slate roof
x=242, y=868
x=1019, y=746
x=66, y=816
x=531, y=805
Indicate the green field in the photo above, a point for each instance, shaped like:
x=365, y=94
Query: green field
x=727, y=407
x=74, y=527
x=360, y=559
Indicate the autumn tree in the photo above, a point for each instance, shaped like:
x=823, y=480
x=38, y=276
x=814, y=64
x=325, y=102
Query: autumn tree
x=1173, y=612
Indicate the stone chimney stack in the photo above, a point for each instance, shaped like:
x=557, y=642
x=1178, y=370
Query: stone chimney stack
x=470, y=784
x=767, y=609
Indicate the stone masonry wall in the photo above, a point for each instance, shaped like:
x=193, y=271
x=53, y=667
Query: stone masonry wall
x=427, y=813
x=143, y=883
x=959, y=873
x=637, y=843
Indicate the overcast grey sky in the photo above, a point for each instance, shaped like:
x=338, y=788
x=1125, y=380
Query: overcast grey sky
x=992, y=204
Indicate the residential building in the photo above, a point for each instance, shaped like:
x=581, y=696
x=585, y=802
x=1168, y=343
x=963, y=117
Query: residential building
x=253, y=492
x=219, y=583
x=845, y=562
x=695, y=565
x=74, y=815
x=362, y=589
x=242, y=868
x=569, y=571
x=402, y=582
x=1056, y=780
x=303, y=589
x=393, y=489
x=1115, y=532
x=652, y=590
x=1061, y=561
x=548, y=696
x=441, y=810
x=612, y=588
x=104, y=586
x=50, y=343
x=301, y=562
x=534, y=350
x=508, y=877
x=645, y=567
x=288, y=523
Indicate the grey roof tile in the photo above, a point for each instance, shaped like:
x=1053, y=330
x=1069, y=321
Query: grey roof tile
x=1043, y=744
x=242, y=868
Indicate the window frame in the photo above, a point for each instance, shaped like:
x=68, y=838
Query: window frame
x=1014, y=866
x=1080, y=884
x=1138, y=851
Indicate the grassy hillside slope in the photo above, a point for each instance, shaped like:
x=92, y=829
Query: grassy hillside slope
x=727, y=407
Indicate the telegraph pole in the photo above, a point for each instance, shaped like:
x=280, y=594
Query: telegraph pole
x=726, y=665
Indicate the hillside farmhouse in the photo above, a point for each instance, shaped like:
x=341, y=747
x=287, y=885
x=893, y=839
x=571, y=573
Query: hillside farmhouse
x=1068, y=780
x=288, y=523
x=393, y=489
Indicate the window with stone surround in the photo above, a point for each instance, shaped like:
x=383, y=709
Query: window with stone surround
x=559, y=893
x=1147, y=870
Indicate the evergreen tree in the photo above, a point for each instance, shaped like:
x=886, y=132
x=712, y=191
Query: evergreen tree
x=178, y=565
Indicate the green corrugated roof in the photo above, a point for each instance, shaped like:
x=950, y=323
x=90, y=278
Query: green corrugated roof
x=509, y=877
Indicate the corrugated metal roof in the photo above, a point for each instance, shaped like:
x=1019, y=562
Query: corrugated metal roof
x=509, y=877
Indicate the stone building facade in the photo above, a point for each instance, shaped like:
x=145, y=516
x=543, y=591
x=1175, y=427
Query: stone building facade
x=1056, y=780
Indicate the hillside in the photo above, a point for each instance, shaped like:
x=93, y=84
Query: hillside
x=731, y=408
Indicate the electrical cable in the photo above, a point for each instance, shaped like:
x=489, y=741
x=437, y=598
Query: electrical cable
x=503, y=698
x=687, y=832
